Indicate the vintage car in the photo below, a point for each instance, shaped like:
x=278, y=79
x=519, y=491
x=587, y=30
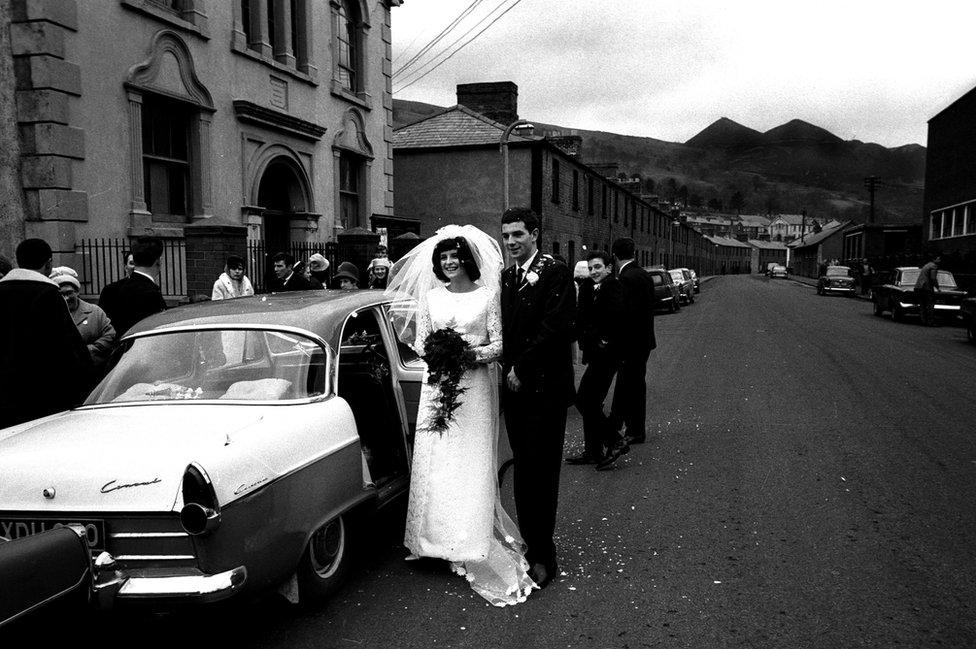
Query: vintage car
x=968, y=309
x=896, y=293
x=778, y=271
x=666, y=294
x=836, y=279
x=686, y=288
x=231, y=448
x=694, y=279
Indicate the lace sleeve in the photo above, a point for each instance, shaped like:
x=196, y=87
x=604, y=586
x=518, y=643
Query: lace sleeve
x=423, y=325
x=493, y=350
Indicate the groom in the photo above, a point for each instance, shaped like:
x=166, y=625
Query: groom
x=538, y=306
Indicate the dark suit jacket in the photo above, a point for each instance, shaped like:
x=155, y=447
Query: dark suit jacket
x=600, y=320
x=129, y=300
x=296, y=282
x=639, y=295
x=45, y=366
x=538, y=328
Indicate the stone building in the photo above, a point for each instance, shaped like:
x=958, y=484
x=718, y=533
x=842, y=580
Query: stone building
x=765, y=253
x=808, y=253
x=450, y=169
x=270, y=120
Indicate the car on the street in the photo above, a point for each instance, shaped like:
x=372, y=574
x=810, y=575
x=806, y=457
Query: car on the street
x=968, y=310
x=232, y=448
x=778, y=270
x=686, y=287
x=836, y=279
x=694, y=279
x=896, y=294
x=666, y=294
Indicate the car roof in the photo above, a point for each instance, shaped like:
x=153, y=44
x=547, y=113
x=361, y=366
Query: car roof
x=321, y=312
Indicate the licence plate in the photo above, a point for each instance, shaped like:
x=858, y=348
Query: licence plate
x=17, y=528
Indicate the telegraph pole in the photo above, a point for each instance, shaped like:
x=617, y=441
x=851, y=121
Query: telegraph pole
x=872, y=183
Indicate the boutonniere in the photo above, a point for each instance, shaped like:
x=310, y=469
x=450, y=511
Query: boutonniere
x=531, y=278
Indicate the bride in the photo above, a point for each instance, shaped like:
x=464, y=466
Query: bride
x=454, y=512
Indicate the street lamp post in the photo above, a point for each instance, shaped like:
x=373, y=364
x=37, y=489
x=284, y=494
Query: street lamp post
x=503, y=146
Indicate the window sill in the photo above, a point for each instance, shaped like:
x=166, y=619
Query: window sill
x=149, y=8
x=274, y=65
x=361, y=99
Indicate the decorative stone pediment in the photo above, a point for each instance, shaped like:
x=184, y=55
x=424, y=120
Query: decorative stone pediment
x=169, y=70
x=352, y=136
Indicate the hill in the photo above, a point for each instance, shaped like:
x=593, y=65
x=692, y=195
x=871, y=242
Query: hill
x=790, y=168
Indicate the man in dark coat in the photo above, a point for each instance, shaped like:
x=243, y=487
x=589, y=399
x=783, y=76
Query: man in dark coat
x=133, y=298
x=286, y=279
x=44, y=364
x=538, y=303
x=600, y=318
x=630, y=396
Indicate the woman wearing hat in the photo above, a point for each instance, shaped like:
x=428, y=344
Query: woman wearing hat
x=93, y=325
x=346, y=277
x=379, y=272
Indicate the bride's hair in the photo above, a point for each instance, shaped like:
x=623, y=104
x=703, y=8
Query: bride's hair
x=464, y=253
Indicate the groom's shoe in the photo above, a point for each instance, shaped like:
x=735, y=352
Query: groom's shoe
x=582, y=458
x=540, y=574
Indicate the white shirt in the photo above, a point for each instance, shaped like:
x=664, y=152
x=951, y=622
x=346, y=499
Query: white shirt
x=527, y=265
x=145, y=275
x=624, y=265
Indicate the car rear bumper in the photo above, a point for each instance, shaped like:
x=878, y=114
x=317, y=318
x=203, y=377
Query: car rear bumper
x=839, y=289
x=163, y=586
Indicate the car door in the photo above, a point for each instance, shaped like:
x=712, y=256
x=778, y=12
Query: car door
x=408, y=370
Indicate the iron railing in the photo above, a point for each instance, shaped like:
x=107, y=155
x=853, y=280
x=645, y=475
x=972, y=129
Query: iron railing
x=100, y=262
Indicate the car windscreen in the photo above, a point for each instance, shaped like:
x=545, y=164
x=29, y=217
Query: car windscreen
x=946, y=280
x=909, y=276
x=676, y=275
x=839, y=271
x=216, y=364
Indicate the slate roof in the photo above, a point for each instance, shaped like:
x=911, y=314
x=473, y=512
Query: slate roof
x=454, y=126
x=726, y=241
x=791, y=219
x=767, y=245
x=814, y=239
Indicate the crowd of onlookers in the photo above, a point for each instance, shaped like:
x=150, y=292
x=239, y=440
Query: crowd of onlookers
x=54, y=346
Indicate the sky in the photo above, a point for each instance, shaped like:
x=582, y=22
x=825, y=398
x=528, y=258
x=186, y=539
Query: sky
x=869, y=70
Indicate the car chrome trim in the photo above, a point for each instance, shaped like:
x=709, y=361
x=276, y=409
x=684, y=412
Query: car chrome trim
x=210, y=587
x=147, y=535
x=210, y=402
x=155, y=557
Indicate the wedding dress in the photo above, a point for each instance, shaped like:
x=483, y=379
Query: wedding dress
x=454, y=512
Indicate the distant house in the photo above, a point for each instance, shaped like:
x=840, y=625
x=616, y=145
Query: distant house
x=806, y=254
x=786, y=227
x=949, y=222
x=731, y=255
x=765, y=253
x=449, y=169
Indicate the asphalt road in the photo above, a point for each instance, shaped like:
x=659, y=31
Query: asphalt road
x=808, y=481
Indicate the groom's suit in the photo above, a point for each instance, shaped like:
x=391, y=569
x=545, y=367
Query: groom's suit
x=537, y=334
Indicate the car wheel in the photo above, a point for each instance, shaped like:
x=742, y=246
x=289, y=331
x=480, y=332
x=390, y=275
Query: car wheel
x=878, y=311
x=820, y=290
x=897, y=314
x=675, y=305
x=325, y=561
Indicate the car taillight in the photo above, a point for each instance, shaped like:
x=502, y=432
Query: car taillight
x=201, y=512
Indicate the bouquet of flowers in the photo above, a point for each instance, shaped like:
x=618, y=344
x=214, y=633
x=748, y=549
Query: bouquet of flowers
x=448, y=356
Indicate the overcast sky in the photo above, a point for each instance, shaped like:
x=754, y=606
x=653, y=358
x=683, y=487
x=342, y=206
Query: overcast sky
x=864, y=69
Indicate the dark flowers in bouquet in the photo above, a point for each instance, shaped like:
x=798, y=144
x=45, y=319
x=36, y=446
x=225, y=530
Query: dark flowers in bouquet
x=448, y=356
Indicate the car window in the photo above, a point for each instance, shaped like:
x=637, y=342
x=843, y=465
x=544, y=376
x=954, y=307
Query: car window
x=839, y=271
x=657, y=279
x=238, y=365
x=676, y=275
x=946, y=280
x=909, y=276
x=398, y=314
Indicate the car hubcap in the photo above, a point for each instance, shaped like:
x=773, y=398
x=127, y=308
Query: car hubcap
x=326, y=548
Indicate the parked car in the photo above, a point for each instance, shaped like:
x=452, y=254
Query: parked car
x=231, y=448
x=778, y=270
x=694, y=279
x=968, y=309
x=897, y=294
x=686, y=288
x=836, y=279
x=665, y=290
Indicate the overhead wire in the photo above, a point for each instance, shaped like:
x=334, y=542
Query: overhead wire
x=437, y=39
x=461, y=47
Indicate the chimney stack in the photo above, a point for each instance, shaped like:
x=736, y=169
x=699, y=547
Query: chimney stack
x=496, y=100
x=571, y=144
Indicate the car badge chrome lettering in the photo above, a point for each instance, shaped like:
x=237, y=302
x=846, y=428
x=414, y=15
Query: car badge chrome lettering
x=115, y=485
x=50, y=493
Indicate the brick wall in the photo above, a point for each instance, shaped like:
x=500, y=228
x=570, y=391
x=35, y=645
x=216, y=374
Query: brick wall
x=207, y=249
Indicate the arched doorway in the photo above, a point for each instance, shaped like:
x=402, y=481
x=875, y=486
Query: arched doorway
x=283, y=200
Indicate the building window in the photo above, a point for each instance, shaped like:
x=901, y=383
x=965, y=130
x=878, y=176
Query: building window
x=280, y=34
x=166, y=157
x=555, y=180
x=576, y=203
x=958, y=221
x=603, y=203
x=571, y=251
x=589, y=195
x=555, y=248
x=346, y=28
x=350, y=184
x=615, y=197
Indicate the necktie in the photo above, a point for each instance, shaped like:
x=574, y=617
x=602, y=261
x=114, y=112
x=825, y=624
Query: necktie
x=519, y=275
